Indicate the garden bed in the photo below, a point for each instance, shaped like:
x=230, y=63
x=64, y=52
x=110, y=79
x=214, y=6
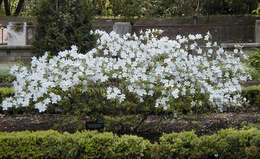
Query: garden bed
x=151, y=128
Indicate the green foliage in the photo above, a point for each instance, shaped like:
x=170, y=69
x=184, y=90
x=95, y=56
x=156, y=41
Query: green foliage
x=254, y=60
x=127, y=8
x=178, y=7
x=69, y=124
x=233, y=144
x=6, y=77
x=177, y=145
x=129, y=146
x=8, y=92
x=233, y=7
x=252, y=94
x=100, y=146
x=227, y=143
x=58, y=30
x=84, y=145
x=126, y=124
x=236, y=7
x=253, y=65
x=100, y=7
x=94, y=103
x=257, y=10
x=167, y=8
x=4, y=93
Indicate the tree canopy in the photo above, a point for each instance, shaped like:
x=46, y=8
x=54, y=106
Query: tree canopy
x=12, y=7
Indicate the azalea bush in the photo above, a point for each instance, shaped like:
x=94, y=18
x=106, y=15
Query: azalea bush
x=188, y=72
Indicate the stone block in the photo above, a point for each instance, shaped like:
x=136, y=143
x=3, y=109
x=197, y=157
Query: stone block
x=122, y=28
x=3, y=35
x=16, y=33
x=30, y=33
x=257, y=31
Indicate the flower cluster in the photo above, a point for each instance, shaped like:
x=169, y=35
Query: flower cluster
x=182, y=68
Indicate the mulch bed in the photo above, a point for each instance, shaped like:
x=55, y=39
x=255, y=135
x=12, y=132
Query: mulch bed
x=202, y=123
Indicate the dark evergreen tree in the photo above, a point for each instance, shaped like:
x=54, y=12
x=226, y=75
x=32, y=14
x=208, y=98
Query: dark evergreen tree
x=61, y=25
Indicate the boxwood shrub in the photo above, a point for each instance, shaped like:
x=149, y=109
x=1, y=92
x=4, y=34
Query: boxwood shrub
x=233, y=144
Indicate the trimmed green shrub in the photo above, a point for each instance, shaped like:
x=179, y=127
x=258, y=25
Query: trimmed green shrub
x=24, y=145
x=84, y=145
x=129, y=146
x=100, y=146
x=233, y=144
x=59, y=28
x=177, y=145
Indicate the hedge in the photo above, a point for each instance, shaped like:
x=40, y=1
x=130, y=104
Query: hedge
x=85, y=145
x=232, y=144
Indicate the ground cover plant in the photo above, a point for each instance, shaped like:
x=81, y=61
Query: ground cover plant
x=185, y=74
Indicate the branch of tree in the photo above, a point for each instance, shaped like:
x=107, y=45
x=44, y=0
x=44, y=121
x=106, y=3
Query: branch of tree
x=7, y=8
x=19, y=7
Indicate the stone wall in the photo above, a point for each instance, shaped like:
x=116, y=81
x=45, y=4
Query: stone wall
x=223, y=28
x=15, y=53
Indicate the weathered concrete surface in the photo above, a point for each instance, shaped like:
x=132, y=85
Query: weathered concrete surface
x=3, y=35
x=16, y=33
x=257, y=31
x=14, y=54
x=122, y=28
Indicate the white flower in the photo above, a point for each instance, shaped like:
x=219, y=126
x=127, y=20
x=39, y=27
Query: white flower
x=235, y=51
x=175, y=93
x=192, y=37
x=136, y=64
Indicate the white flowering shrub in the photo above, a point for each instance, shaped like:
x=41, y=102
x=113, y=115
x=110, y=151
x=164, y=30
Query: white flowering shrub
x=185, y=73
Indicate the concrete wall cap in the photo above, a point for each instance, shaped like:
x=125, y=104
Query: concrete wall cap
x=15, y=47
x=244, y=45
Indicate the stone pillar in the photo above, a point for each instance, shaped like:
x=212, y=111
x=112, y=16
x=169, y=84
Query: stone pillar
x=122, y=28
x=16, y=33
x=3, y=35
x=30, y=34
x=257, y=31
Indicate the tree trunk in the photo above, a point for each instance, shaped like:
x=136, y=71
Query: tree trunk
x=19, y=7
x=1, y=3
x=7, y=8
